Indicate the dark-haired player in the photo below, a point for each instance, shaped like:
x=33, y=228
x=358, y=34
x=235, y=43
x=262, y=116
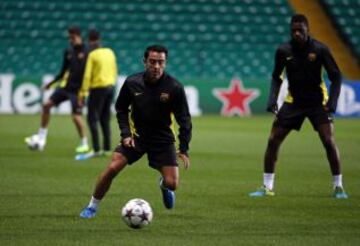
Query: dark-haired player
x=73, y=66
x=144, y=109
x=302, y=58
x=99, y=79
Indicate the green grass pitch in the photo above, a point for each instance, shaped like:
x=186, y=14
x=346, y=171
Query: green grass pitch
x=41, y=194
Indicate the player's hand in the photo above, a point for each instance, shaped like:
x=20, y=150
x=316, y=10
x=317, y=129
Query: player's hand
x=328, y=109
x=47, y=86
x=273, y=108
x=184, y=158
x=81, y=101
x=128, y=142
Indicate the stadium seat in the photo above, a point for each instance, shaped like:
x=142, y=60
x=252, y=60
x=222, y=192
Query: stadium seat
x=210, y=39
x=345, y=13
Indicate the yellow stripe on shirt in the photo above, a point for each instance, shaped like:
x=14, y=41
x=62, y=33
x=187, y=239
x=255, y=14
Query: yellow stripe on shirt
x=323, y=88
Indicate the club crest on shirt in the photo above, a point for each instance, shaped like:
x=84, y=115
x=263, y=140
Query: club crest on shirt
x=312, y=57
x=164, y=97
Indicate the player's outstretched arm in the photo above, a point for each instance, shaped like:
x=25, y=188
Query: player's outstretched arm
x=122, y=111
x=62, y=72
x=272, y=106
x=48, y=85
x=334, y=75
x=276, y=82
x=183, y=118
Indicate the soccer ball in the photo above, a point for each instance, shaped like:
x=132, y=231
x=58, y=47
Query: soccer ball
x=33, y=142
x=137, y=213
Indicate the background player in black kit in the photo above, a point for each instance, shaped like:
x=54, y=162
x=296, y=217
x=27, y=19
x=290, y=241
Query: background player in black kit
x=144, y=109
x=303, y=59
x=73, y=69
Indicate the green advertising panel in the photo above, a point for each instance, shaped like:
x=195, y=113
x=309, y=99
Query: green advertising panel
x=233, y=97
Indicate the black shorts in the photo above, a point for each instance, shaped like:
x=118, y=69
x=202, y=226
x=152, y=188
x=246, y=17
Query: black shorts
x=292, y=117
x=61, y=95
x=158, y=155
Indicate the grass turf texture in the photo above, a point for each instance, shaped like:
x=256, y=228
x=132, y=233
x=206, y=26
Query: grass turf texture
x=43, y=193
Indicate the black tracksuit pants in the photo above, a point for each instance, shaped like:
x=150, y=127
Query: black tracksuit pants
x=99, y=110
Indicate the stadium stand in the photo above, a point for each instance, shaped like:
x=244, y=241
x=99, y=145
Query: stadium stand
x=346, y=15
x=207, y=39
x=323, y=29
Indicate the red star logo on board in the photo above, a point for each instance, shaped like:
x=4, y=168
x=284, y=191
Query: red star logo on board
x=236, y=98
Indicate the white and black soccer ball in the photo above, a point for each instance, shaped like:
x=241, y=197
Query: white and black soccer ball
x=137, y=213
x=33, y=142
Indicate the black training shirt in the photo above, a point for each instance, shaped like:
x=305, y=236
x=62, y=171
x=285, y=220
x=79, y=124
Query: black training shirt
x=74, y=62
x=304, y=68
x=151, y=106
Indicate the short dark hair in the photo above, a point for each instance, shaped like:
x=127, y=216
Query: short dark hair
x=156, y=48
x=93, y=35
x=299, y=18
x=74, y=30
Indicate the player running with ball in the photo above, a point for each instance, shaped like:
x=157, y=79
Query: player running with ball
x=144, y=109
x=73, y=65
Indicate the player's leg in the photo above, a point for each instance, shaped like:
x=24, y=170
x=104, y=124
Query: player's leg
x=277, y=136
x=117, y=163
x=105, y=119
x=45, y=114
x=45, y=119
x=163, y=158
x=289, y=117
x=79, y=124
x=326, y=134
x=327, y=138
x=55, y=99
x=322, y=123
x=95, y=102
x=169, y=182
x=40, y=138
x=121, y=157
x=38, y=141
x=80, y=127
x=170, y=177
x=78, y=121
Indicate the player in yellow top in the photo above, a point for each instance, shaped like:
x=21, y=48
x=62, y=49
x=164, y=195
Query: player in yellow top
x=99, y=79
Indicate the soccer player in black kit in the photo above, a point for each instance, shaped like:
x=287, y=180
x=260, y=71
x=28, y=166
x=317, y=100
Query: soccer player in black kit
x=303, y=59
x=144, y=109
x=72, y=72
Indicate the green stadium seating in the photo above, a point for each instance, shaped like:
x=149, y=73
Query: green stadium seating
x=346, y=16
x=206, y=38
